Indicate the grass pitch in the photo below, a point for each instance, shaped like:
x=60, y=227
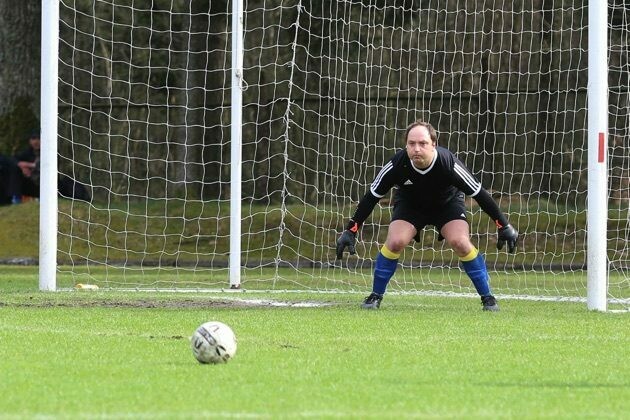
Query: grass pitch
x=102, y=354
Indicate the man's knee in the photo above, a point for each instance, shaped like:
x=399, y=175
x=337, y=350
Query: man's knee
x=396, y=245
x=461, y=245
x=396, y=242
x=399, y=234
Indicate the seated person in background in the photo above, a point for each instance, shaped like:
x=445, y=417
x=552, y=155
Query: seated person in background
x=28, y=175
x=28, y=162
x=29, y=168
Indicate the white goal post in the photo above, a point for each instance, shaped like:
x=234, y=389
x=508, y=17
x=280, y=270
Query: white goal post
x=48, y=185
x=597, y=221
x=226, y=143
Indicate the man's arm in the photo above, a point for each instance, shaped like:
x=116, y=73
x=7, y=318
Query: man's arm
x=365, y=207
x=26, y=167
x=490, y=207
x=507, y=233
x=384, y=181
x=349, y=236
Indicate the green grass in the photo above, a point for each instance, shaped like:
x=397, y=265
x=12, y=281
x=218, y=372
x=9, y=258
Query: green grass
x=111, y=354
x=174, y=232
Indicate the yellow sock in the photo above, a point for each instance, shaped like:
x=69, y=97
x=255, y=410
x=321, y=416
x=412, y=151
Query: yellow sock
x=470, y=256
x=389, y=254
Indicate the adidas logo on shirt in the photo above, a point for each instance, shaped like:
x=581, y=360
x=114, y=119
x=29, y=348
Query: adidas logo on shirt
x=408, y=182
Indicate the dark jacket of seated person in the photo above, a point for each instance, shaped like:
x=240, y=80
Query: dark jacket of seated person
x=28, y=163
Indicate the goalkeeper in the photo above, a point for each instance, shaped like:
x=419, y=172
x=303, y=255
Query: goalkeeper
x=431, y=183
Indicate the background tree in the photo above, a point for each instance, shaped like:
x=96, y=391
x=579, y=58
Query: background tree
x=20, y=31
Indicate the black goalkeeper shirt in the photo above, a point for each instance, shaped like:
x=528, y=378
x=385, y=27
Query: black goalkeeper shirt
x=427, y=189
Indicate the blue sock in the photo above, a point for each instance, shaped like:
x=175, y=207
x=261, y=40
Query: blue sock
x=478, y=273
x=384, y=270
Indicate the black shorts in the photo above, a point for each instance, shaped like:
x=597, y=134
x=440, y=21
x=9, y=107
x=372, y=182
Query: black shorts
x=452, y=210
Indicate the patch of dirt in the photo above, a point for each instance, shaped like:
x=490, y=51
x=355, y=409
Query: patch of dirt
x=160, y=303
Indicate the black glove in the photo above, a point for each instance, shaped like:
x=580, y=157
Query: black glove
x=347, y=239
x=507, y=234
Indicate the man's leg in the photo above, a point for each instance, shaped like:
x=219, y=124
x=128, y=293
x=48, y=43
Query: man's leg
x=399, y=234
x=456, y=233
x=475, y=266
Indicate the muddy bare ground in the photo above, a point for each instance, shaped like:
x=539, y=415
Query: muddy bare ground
x=157, y=303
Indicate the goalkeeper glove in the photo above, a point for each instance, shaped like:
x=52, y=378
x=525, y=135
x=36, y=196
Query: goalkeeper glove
x=348, y=239
x=507, y=234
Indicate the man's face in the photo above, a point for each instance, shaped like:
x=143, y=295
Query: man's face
x=420, y=147
x=35, y=143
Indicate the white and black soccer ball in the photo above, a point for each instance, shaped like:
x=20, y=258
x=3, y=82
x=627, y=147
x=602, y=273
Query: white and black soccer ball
x=213, y=342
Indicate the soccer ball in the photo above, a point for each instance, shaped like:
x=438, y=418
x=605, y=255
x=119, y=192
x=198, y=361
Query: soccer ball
x=213, y=342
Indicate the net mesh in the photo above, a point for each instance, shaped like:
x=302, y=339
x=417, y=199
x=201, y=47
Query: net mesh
x=329, y=88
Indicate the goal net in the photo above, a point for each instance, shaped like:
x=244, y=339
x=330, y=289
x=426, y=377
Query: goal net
x=328, y=89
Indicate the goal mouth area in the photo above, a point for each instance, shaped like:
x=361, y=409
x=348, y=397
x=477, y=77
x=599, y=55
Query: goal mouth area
x=263, y=302
x=434, y=282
